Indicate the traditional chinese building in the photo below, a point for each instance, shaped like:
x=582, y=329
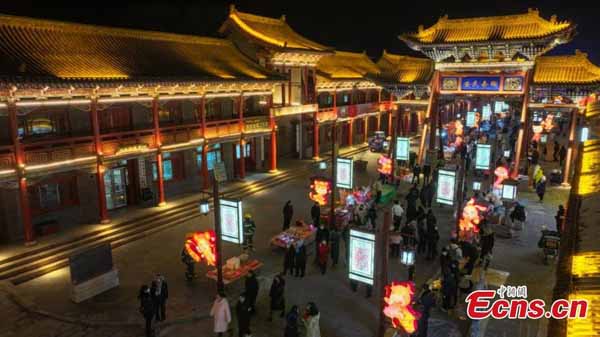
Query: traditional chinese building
x=103, y=118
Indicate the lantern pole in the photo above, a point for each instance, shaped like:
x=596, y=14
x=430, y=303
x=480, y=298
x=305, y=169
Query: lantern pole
x=333, y=174
x=382, y=245
x=217, y=210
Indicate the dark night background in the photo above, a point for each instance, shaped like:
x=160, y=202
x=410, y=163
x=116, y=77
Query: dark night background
x=370, y=25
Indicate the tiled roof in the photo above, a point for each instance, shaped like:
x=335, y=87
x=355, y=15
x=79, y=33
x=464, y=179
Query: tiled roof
x=51, y=49
x=346, y=65
x=567, y=69
x=273, y=32
x=405, y=69
x=493, y=28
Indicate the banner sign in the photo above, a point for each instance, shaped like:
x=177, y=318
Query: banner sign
x=483, y=156
x=402, y=148
x=232, y=222
x=445, y=188
x=480, y=83
x=344, y=174
x=362, y=256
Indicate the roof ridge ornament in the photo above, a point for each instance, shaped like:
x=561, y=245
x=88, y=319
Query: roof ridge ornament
x=232, y=8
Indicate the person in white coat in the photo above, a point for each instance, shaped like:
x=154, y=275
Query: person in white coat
x=311, y=321
x=221, y=314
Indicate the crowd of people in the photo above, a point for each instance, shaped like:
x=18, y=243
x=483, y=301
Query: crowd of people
x=153, y=302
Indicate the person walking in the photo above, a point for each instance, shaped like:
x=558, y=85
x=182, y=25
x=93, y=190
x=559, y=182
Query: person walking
x=433, y=237
x=249, y=230
x=486, y=238
x=449, y=290
x=421, y=232
x=372, y=216
x=559, y=217
x=427, y=191
x=397, y=212
x=288, y=213
x=427, y=301
x=291, y=322
x=251, y=291
x=147, y=308
x=555, y=150
x=315, y=214
x=334, y=242
x=416, y=174
x=323, y=256
x=540, y=188
x=311, y=320
x=221, y=314
x=277, y=295
x=321, y=235
x=160, y=294
x=562, y=154
x=243, y=312
x=289, y=259
x=299, y=259
x=426, y=173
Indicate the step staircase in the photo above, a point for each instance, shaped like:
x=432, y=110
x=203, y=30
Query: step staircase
x=44, y=259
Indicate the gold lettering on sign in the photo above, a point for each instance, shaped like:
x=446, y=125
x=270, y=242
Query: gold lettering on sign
x=133, y=148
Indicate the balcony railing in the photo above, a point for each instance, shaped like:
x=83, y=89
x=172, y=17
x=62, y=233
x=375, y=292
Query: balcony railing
x=220, y=129
x=327, y=114
x=293, y=109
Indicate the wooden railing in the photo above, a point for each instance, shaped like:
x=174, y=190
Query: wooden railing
x=219, y=129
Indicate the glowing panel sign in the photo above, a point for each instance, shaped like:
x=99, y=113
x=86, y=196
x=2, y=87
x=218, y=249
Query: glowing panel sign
x=402, y=148
x=345, y=173
x=232, y=223
x=362, y=256
x=480, y=83
x=483, y=156
x=445, y=188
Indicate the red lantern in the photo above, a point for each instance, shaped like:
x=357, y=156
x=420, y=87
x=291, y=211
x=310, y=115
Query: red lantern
x=398, y=306
x=202, y=246
x=320, y=190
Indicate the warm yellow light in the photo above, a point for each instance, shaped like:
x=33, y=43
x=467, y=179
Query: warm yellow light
x=589, y=175
x=52, y=103
x=193, y=142
x=5, y=172
x=589, y=326
x=125, y=99
x=60, y=163
x=586, y=264
x=253, y=32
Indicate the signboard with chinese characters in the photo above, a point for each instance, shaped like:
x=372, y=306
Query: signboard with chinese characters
x=402, y=148
x=232, y=223
x=449, y=83
x=483, y=156
x=480, y=83
x=445, y=188
x=486, y=112
x=513, y=83
x=344, y=174
x=470, y=119
x=362, y=256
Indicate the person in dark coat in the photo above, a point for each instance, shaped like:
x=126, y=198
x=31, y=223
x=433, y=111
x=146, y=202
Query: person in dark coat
x=299, y=259
x=322, y=235
x=288, y=213
x=562, y=154
x=449, y=290
x=251, y=290
x=372, y=216
x=147, y=308
x=413, y=196
x=323, y=255
x=540, y=188
x=427, y=192
x=408, y=232
x=426, y=173
x=289, y=259
x=555, y=150
x=277, y=295
x=291, y=323
x=471, y=253
x=416, y=174
x=243, y=312
x=160, y=294
x=421, y=231
x=334, y=242
x=560, y=216
x=315, y=214
x=445, y=261
x=433, y=237
x=411, y=212
x=427, y=301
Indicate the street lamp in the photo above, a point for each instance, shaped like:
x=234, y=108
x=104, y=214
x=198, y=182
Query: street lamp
x=204, y=206
x=585, y=134
x=322, y=165
x=407, y=258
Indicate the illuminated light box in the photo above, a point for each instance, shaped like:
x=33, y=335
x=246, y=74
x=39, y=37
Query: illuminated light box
x=585, y=134
x=509, y=190
x=232, y=222
x=476, y=186
x=362, y=256
x=470, y=119
x=483, y=156
x=506, y=153
x=544, y=138
x=402, y=148
x=345, y=173
x=445, y=188
x=486, y=112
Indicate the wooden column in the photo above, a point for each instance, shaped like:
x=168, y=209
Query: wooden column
x=390, y=116
x=204, y=168
x=19, y=154
x=572, y=146
x=350, y=133
x=392, y=146
x=103, y=212
x=524, y=121
x=366, y=124
x=290, y=87
x=273, y=158
x=430, y=119
x=159, y=160
x=242, y=160
x=316, y=135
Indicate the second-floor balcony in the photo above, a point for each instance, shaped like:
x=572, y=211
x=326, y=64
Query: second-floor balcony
x=279, y=111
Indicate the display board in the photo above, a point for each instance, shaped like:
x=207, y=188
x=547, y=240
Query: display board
x=362, y=256
x=344, y=173
x=470, y=119
x=483, y=157
x=90, y=263
x=486, y=112
x=232, y=223
x=509, y=192
x=445, y=188
x=402, y=148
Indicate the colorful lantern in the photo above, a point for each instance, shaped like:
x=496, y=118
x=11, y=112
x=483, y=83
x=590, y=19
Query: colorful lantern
x=398, y=306
x=470, y=219
x=501, y=173
x=384, y=165
x=320, y=190
x=202, y=246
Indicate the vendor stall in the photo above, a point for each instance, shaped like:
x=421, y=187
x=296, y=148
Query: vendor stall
x=300, y=231
x=235, y=269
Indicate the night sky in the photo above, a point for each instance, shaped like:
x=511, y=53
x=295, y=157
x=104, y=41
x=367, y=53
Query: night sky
x=370, y=25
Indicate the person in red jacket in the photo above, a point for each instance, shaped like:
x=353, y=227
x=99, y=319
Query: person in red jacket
x=323, y=256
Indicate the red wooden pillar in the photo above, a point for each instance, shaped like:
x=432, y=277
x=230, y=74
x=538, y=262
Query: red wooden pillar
x=20, y=170
x=273, y=159
x=390, y=116
x=204, y=168
x=242, y=160
x=350, y=132
x=524, y=126
x=159, y=160
x=103, y=212
x=430, y=119
x=366, y=123
x=316, y=135
x=572, y=145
